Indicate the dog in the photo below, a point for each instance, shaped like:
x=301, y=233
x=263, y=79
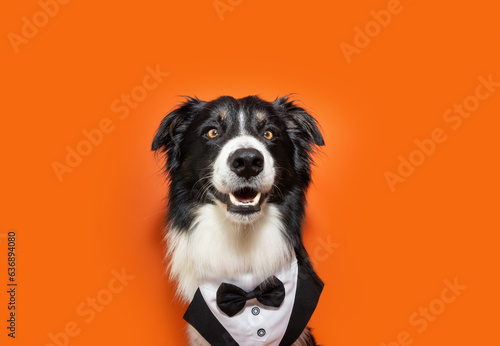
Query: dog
x=238, y=171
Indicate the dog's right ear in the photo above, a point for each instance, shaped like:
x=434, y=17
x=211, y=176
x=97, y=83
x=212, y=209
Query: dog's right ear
x=172, y=129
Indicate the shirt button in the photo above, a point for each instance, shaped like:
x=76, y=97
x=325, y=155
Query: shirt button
x=261, y=332
x=255, y=311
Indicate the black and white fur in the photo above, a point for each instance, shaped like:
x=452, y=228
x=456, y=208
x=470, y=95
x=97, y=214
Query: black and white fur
x=229, y=215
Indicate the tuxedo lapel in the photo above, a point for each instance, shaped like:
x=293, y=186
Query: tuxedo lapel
x=198, y=315
x=309, y=288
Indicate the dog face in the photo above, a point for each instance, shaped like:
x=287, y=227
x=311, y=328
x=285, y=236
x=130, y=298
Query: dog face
x=236, y=153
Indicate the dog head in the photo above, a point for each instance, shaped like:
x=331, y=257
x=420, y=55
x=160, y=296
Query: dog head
x=236, y=153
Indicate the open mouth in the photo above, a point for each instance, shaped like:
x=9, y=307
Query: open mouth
x=243, y=201
x=245, y=196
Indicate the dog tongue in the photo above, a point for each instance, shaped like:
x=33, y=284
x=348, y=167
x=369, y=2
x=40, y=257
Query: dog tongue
x=245, y=195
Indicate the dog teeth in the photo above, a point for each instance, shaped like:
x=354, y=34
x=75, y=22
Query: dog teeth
x=254, y=201
x=233, y=199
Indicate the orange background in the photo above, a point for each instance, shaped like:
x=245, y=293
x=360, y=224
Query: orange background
x=389, y=253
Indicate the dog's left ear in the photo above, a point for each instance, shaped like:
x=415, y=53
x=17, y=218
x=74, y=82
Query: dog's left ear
x=172, y=129
x=299, y=122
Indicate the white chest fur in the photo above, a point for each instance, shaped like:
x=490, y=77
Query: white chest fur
x=218, y=249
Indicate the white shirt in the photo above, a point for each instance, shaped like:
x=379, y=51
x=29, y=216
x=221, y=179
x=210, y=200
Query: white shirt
x=256, y=324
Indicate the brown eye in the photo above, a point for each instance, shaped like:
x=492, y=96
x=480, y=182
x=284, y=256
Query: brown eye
x=268, y=135
x=213, y=133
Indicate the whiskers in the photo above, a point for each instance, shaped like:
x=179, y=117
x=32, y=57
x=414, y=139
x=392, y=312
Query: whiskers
x=276, y=189
x=205, y=184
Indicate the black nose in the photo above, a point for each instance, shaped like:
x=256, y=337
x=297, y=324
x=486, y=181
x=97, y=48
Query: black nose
x=246, y=163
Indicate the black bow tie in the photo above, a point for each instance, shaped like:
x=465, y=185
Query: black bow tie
x=231, y=299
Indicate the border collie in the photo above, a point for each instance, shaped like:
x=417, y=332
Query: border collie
x=238, y=171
